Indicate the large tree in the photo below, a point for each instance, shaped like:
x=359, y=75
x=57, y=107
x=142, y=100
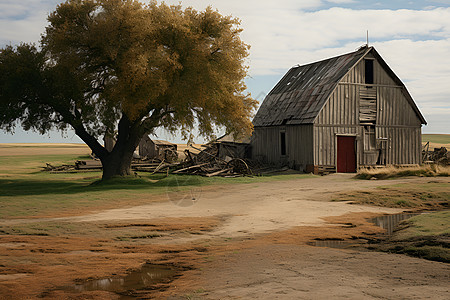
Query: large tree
x=119, y=65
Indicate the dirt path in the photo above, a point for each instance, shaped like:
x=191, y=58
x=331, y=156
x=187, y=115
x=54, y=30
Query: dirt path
x=241, y=241
x=304, y=272
x=248, y=208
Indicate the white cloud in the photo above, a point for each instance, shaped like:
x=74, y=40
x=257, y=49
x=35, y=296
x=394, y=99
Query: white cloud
x=241, y=8
x=341, y=1
x=296, y=37
x=24, y=21
x=424, y=67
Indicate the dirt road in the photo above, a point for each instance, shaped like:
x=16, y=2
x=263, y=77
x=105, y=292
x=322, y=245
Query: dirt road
x=251, y=242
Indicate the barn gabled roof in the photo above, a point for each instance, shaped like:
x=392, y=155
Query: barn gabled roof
x=300, y=95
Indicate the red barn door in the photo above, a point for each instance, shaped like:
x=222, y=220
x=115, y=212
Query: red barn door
x=346, y=154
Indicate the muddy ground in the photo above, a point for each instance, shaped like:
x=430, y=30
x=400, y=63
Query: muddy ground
x=250, y=241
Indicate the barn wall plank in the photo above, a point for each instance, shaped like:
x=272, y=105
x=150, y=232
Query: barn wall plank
x=299, y=139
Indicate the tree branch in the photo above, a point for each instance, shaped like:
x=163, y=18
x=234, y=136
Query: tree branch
x=76, y=123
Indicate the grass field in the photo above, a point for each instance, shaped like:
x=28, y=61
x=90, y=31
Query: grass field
x=436, y=138
x=26, y=191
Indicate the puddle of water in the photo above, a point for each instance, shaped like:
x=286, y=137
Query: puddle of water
x=338, y=244
x=143, y=278
x=390, y=222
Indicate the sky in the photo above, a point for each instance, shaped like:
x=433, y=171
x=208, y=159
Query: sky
x=413, y=37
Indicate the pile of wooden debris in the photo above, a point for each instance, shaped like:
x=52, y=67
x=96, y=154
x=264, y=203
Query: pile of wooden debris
x=213, y=162
x=153, y=166
x=216, y=159
x=438, y=156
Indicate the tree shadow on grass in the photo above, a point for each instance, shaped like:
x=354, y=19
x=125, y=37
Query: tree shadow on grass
x=153, y=183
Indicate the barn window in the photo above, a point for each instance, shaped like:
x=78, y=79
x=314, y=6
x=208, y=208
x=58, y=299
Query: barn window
x=369, y=71
x=283, y=142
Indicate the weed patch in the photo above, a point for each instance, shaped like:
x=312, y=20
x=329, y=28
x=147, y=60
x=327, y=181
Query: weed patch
x=396, y=172
x=426, y=196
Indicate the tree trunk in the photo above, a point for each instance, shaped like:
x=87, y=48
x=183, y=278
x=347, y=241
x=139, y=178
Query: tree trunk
x=117, y=164
x=118, y=161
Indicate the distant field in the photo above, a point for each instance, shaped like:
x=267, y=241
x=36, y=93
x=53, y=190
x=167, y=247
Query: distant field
x=10, y=149
x=43, y=149
x=436, y=140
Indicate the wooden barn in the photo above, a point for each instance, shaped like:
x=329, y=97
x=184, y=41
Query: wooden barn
x=339, y=114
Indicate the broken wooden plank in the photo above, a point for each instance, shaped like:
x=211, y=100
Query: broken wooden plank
x=189, y=168
x=218, y=172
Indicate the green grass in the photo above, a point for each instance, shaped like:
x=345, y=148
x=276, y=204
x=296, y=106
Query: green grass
x=424, y=236
x=431, y=224
x=27, y=191
x=424, y=196
x=26, y=165
x=436, y=138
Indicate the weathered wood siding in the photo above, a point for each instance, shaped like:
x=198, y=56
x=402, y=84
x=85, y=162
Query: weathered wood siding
x=394, y=108
x=404, y=145
x=341, y=107
x=325, y=143
x=396, y=121
x=380, y=77
x=299, y=151
x=300, y=145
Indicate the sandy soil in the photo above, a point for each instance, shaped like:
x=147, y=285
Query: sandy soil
x=233, y=242
x=280, y=271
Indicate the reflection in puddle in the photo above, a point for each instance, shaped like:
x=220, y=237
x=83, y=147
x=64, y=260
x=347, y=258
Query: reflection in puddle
x=390, y=222
x=145, y=277
x=341, y=244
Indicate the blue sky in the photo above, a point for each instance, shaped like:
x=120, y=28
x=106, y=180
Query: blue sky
x=412, y=36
